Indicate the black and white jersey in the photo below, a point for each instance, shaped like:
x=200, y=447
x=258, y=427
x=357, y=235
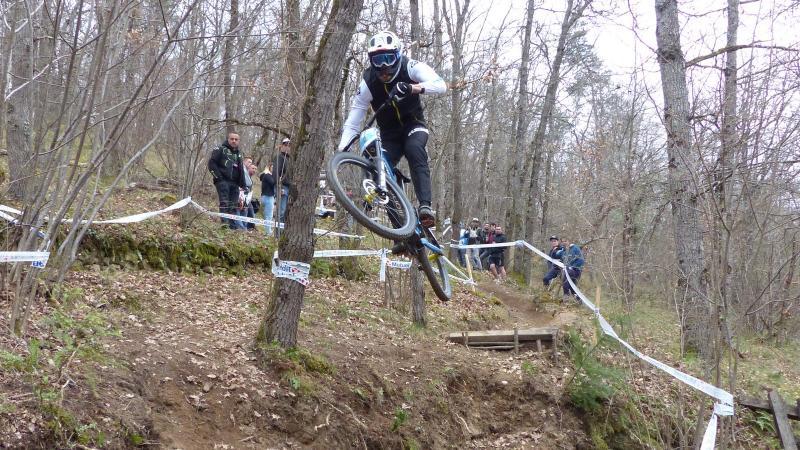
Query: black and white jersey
x=396, y=117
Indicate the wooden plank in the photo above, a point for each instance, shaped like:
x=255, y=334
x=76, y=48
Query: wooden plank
x=492, y=347
x=763, y=405
x=782, y=424
x=532, y=334
x=521, y=344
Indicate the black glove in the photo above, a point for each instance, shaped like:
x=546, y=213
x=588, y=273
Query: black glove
x=400, y=90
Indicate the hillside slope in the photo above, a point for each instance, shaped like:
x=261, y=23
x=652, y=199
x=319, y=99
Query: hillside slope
x=180, y=371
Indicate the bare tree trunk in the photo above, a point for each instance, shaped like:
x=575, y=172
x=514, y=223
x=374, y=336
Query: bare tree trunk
x=295, y=59
x=515, y=219
x=297, y=243
x=5, y=63
x=227, y=65
x=19, y=114
x=723, y=217
x=456, y=31
x=415, y=278
x=483, y=198
x=537, y=145
x=684, y=197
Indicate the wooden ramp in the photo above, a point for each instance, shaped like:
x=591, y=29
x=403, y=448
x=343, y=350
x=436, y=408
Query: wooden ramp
x=506, y=339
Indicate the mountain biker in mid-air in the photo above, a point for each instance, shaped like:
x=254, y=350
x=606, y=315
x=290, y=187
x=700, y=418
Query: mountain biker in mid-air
x=402, y=126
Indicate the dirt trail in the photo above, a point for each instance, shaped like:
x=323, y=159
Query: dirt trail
x=523, y=310
x=186, y=375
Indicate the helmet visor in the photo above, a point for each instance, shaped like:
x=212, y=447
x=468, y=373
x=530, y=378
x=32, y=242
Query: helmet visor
x=383, y=59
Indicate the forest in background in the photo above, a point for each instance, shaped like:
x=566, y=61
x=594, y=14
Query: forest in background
x=679, y=178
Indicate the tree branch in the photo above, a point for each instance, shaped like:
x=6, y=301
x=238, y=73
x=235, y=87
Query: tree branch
x=734, y=48
x=263, y=126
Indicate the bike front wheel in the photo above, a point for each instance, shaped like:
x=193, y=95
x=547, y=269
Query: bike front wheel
x=435, y=268
x=387, y=213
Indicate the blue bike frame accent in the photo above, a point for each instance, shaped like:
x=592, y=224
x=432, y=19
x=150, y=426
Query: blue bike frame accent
x=370, y=137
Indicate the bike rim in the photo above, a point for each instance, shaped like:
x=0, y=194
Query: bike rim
x=351, y=176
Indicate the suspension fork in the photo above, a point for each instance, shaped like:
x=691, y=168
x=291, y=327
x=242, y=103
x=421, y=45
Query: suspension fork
x=381, y=163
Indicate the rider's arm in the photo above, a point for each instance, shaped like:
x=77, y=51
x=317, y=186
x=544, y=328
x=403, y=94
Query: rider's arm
x=426, y=78
x=358, y=110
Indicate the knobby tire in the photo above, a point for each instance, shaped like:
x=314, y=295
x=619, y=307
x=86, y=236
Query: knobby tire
x=404, y=231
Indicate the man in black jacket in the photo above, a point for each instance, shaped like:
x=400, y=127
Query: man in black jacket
x=497, y=256
x=556, y=252
x=227, y=169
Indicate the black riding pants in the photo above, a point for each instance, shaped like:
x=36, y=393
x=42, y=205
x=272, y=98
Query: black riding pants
x=228, y=193
x=410, y=142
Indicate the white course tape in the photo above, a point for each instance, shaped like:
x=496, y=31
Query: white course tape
x=293, y=270
x=143, y=216
x=543, y=254
x=8, y=217
x=263, y=222
x=10, y=209
x=724, y=406
x=340, y=253
x=502, y=244
x=127, y=219
x=37, y=259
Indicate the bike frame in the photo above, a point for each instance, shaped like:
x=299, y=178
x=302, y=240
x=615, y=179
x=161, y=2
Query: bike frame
x=384, y=169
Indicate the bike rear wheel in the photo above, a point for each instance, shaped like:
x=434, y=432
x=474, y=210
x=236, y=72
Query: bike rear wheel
x=388, y=214
x=434, y=267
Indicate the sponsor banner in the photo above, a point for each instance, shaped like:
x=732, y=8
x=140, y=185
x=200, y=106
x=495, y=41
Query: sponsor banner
x=292, y=270
x=398, y=264
x=37, y=259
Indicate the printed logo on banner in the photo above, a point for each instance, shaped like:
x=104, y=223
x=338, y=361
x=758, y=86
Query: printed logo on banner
x=293, y=270
x=398, y=264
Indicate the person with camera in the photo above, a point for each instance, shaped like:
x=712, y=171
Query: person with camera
x=227, y=170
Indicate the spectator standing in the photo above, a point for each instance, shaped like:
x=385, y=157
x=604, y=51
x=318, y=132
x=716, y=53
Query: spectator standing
x=496, y=257
x=267, y=196
x=246, y=207
x=463, y=238
x=556, y=252
x=282, y=163
x=227, y=169
x=474, y=238
x=488, y=231
x=573, y=262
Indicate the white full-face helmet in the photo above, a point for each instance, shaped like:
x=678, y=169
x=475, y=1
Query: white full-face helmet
x=384, y=50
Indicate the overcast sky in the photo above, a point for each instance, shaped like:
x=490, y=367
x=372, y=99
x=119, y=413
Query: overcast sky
x=624, y=30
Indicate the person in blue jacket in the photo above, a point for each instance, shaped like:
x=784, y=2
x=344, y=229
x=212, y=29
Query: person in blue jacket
x=573, y=262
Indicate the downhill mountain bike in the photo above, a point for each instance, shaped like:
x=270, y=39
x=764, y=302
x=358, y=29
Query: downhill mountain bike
x=372, y=191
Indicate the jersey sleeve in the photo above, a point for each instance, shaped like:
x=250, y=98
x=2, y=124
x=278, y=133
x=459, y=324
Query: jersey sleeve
x=358, y=110
x=426, y=77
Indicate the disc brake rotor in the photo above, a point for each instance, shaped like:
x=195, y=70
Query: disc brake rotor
x=372, y=194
